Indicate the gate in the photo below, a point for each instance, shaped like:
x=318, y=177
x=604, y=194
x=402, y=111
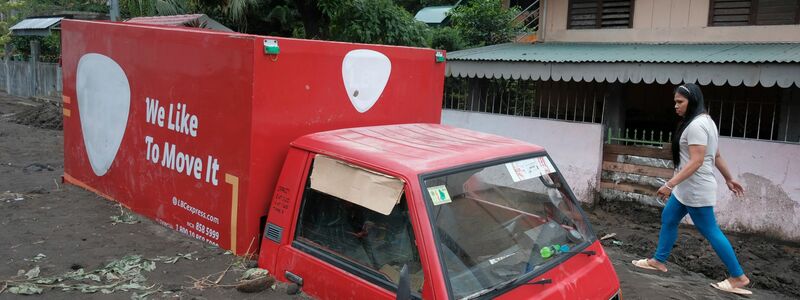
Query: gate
x=635, y=164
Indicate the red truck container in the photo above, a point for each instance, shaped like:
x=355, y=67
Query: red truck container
x=190, y=127
x=331, y=151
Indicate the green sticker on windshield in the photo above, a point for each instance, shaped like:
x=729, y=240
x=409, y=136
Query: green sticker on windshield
x=439, y=194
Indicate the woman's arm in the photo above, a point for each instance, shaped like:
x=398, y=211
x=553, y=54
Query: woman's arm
x=696, y=154
x=733, y=185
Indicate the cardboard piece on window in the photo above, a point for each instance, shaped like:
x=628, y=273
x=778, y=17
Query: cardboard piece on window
x=373, y=190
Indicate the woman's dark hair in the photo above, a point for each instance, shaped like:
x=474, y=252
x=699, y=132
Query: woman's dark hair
x=696, y=107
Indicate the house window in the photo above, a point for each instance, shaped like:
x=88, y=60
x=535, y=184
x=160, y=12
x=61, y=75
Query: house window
x=589, y=14
x=753, y=12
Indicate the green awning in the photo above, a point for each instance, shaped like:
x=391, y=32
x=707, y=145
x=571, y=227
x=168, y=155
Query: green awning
x=733, y=64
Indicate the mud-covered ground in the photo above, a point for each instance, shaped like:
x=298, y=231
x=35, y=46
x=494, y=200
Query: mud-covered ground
x=50, y=231
x=771, y=265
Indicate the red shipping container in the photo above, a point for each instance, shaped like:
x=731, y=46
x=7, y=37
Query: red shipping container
x=190, y=127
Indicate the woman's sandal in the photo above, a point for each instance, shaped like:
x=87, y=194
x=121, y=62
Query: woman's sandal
x=642, y=263
x=726, y=286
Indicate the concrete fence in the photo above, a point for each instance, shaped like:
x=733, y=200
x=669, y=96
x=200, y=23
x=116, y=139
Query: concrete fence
x=24, y=79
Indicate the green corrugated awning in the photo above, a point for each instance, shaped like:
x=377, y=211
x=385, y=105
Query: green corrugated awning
x=643, y=53
x=732, y=64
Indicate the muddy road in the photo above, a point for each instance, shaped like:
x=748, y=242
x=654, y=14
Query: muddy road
x=70, y=240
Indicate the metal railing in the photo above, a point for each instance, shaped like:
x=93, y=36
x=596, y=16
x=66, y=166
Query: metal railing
x=573, y=101
x=756, y=113
x=529, y=17
x=637, y=137
x=752, y=120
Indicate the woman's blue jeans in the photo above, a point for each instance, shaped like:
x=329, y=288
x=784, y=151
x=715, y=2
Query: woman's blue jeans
x=706, y=223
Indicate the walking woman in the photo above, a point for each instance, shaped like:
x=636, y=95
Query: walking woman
x=693, y=188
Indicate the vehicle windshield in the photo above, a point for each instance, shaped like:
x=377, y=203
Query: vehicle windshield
x=495, y=224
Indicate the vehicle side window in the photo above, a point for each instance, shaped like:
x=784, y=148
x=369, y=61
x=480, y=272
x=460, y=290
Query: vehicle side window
x=376, y=244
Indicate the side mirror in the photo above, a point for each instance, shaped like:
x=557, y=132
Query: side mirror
x=404, y=284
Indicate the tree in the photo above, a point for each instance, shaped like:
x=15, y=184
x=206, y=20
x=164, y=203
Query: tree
x=363, y=21
x=447, y=38
x=485, y=22
x=374, y=22
x=13, y=11
x=9, y=15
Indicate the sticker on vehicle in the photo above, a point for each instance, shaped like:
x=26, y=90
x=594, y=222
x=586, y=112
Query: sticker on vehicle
x=439, y=195
x=530, y=168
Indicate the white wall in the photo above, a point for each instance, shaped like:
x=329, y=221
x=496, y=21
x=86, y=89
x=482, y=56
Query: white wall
x=576, y=148
x=770, y=174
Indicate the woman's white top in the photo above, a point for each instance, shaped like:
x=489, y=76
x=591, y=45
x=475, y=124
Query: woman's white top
x=700, y=189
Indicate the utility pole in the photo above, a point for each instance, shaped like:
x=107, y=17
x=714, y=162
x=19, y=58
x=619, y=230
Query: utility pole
x=114, y=5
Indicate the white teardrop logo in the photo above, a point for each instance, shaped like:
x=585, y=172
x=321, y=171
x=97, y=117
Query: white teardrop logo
x=104, y=100
x=365, y=74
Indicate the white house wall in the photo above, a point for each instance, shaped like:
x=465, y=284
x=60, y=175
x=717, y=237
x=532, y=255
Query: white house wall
x=770, y=174
x=576, y=148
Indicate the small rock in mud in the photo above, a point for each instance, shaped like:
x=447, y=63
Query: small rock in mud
x=37, y=167
x=292, y=289
x=255, y=285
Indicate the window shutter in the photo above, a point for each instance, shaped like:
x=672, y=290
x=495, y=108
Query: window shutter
x=777, y=12
x=616, y=14
x=589, y=14
x=730, y=12
x=583, y=14
x=754, y=12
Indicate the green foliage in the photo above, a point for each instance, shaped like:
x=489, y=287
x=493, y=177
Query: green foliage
x=49, y=46
x=372, y=21
x=478, y=23
x=485, y=22
x=447, y=38
x=141, y=8
x=10, y=11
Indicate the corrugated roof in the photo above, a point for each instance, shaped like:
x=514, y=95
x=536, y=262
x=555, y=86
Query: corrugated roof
x=637, y=53
x=433, y=14
x=36, y=23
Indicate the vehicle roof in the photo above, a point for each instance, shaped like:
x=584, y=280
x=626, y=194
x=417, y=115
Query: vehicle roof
x=413, y=149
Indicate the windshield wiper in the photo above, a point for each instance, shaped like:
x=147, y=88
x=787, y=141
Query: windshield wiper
x=505, y=284
x=542, y=282
x=491, y=289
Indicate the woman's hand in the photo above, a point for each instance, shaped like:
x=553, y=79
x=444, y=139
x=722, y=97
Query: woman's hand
x=663, y=192
x=735, y=187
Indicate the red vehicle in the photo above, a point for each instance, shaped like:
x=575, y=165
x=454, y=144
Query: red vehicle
x=324, y=158
x=467, y=215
